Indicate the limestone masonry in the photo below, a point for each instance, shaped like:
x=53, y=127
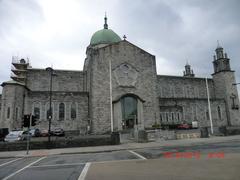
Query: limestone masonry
x=118, y=89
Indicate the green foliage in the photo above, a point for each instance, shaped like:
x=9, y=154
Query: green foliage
x=156, y=125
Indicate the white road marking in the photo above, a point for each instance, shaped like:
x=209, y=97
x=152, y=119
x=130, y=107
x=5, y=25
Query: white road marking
x=116, y=161
x=84, y=171
x=138, y=155
x=13, y=174
x=53, y=165
x=9, y=162
x=75, y=164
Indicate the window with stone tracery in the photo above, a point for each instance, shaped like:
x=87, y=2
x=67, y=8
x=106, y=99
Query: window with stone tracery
x=61, y=111
x=73, y=111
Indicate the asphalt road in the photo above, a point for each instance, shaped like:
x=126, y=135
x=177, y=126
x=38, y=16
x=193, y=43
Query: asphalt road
x=213, y=161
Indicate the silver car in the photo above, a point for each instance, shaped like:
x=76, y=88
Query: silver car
x=14, y=136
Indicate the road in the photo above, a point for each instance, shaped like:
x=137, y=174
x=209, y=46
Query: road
x=212, y=161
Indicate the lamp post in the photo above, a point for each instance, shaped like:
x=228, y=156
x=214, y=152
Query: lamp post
x=209, y=107
x=50, y=70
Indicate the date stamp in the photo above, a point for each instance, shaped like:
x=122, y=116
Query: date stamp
x=191, y=155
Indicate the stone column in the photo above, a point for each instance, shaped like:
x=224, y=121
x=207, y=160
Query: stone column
x=140, y=114
x=117, y=116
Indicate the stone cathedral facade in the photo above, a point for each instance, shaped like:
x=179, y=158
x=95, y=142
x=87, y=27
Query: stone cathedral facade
x=118, y=89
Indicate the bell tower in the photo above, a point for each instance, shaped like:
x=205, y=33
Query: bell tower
x=225, y=85
x=221, y=61
x=188, y=71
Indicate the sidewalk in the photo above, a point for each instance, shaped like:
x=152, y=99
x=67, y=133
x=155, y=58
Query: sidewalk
x=125, y=146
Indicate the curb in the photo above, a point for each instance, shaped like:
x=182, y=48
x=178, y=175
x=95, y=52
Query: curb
x=126, y=148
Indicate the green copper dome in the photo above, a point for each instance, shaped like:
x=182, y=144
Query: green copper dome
x=104, y=36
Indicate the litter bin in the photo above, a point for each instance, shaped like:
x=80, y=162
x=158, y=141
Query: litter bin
x=204, y=132
x=115, y=138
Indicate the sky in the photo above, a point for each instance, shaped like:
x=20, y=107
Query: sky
x=56, y=32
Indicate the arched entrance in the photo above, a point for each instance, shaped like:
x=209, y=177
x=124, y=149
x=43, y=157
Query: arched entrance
x=129, y=112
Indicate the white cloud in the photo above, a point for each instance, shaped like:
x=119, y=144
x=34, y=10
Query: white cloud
x=57, y=32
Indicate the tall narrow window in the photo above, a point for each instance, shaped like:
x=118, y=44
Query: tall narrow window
x=178, y=116
x=161, y=119
x=8, y=112
x=219, y=113
x=73, y=111
x=207, y=115
x=16, y=113
x=61, y=111
x=37, y=112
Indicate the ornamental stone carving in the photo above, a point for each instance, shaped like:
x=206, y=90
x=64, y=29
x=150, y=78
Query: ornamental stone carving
x=126, y=75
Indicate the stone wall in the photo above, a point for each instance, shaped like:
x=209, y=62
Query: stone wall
x=184, y=99
x=79, y=100
x=193, y=110
x=12, y=106
x=183, y=87
x=63, y=80
x=140, y=82
x=224, y=88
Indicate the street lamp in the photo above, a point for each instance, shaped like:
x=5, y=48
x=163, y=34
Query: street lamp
x=51, y=73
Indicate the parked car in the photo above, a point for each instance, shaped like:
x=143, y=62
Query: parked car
x=58, y=132
x=3, y=133
x=25, y=135
x=184, y=126
x=14, y=136
x=44, y=132
x=35, y=132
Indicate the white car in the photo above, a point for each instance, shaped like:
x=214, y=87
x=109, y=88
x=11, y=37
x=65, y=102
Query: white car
x=14, y=136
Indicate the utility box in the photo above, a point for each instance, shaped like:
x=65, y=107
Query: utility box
x=195, y=124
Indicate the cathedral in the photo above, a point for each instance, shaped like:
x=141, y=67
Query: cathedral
x=118, y=89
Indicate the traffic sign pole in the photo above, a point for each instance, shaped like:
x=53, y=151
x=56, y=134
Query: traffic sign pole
x=28, y=135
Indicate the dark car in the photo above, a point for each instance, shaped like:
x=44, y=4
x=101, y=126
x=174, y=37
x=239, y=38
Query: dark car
x=58, y=132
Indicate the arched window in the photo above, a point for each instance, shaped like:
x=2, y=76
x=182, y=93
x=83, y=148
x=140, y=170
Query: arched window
x=36, y=112
x=219, y=113
x=61, y=111
x=73, y=111
x=8, y=112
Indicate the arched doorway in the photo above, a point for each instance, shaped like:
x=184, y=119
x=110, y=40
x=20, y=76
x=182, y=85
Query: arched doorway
x=129, y=112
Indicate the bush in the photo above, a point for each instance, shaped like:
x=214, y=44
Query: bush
x=156, y=125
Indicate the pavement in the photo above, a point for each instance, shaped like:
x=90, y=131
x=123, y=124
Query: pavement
x=226, y=168
x=123, y=146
